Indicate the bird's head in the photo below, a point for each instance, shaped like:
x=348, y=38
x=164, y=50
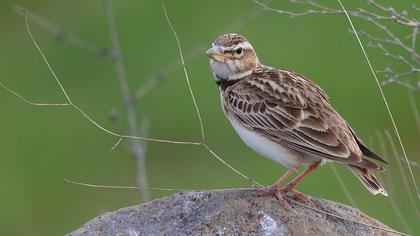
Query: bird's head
x=232, y=57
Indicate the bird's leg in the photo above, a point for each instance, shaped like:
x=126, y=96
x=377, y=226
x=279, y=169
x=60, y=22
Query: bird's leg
x=274, y=190
x=274, y=187
x=283, y=178
x=290, y=187
x=301, y=196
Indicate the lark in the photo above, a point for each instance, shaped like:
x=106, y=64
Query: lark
x=286, y=117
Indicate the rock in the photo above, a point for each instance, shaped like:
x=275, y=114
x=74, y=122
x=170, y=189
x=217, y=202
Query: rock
x=231, y=212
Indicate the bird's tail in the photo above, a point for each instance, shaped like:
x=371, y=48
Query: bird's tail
x=368, y=179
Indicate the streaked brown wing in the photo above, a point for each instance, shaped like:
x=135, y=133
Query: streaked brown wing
x=365, y=150
x=292, y=111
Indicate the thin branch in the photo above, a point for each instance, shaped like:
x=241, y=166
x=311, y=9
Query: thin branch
x=185, y=72
x=394, y=15
x=231, y=167
x=387, y=53
x=402, y=173
x=116, y=144
x=61, y=35
x=196, y=107
x=414, y=38
x=403, y=84
x=30, y=102
x=388, y=178
x=38, y=49
x=411, y=163
x=67, y=181
x=384, y=99
x=163, y=73
x=45, y=59
x=127, y=136
x=362, y=14
x=128, y=103
x=142, y=177
x=387, y=14
x=414, y=109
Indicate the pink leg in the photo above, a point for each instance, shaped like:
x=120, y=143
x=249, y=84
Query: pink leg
x=286, y=175
x=273, y=189
x=300, y=195
x=299, y=178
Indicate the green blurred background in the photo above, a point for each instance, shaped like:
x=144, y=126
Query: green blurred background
x=41, y=146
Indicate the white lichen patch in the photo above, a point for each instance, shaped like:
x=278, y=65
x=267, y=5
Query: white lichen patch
x=270, y=226
x=221, y=231
x=132, y=232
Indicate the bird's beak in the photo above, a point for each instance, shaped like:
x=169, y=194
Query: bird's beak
x=215, y=53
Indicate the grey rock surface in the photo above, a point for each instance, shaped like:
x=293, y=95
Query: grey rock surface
x=236, y=212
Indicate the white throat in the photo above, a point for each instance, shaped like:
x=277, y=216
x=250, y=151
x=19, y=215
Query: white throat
x=227, y=71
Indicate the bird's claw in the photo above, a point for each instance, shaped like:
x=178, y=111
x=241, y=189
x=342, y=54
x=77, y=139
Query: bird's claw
x=276, y=192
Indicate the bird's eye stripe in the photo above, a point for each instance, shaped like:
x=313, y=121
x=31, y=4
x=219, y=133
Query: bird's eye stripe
x=239, y=50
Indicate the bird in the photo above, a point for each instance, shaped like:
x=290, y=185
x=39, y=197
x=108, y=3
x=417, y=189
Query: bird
x=287, y=118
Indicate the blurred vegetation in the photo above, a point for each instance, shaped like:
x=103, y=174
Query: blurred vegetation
x=41, y=146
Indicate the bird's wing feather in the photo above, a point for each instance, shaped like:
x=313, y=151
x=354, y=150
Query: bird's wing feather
x=293, y=111
x=365, y=150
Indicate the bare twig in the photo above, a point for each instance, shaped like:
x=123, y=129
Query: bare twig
x=411, y=163
x=185, y=73
x=196, y=107
x=116, y=144
x=390, y=15
x=67, y=181
x=61, y=35
x=386, y=15
x=414, y=38
x=69, y=101
x=402, y=173
x=384, y=99
x=136, y=148
x=414, y=109
x=392, y=76
x=163, y=73
x=142, y=177
x=384, y=153
x=114, y=133
x=30, y=102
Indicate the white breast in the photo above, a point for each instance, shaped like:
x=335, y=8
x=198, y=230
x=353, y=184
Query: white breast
x=269, y=149
x=276, y=152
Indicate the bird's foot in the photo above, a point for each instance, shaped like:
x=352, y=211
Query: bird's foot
x=301, y=196
x=276, y=192
x=295, y=193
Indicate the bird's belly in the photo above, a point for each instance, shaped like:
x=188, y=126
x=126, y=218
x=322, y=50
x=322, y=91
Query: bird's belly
x=267, y=148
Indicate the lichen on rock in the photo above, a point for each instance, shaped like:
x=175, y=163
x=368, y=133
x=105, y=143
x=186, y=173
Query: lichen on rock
x=233, y=212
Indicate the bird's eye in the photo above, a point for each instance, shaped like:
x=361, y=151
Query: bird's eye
x=239, y=51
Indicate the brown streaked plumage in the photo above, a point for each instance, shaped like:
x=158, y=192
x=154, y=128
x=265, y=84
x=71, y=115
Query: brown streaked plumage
x=229, y=39
x=285, y=116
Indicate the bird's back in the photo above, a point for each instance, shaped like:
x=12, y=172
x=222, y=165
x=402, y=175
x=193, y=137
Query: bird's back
x=293, y=111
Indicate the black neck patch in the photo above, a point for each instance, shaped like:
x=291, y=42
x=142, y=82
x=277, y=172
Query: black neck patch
x=224, y=84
